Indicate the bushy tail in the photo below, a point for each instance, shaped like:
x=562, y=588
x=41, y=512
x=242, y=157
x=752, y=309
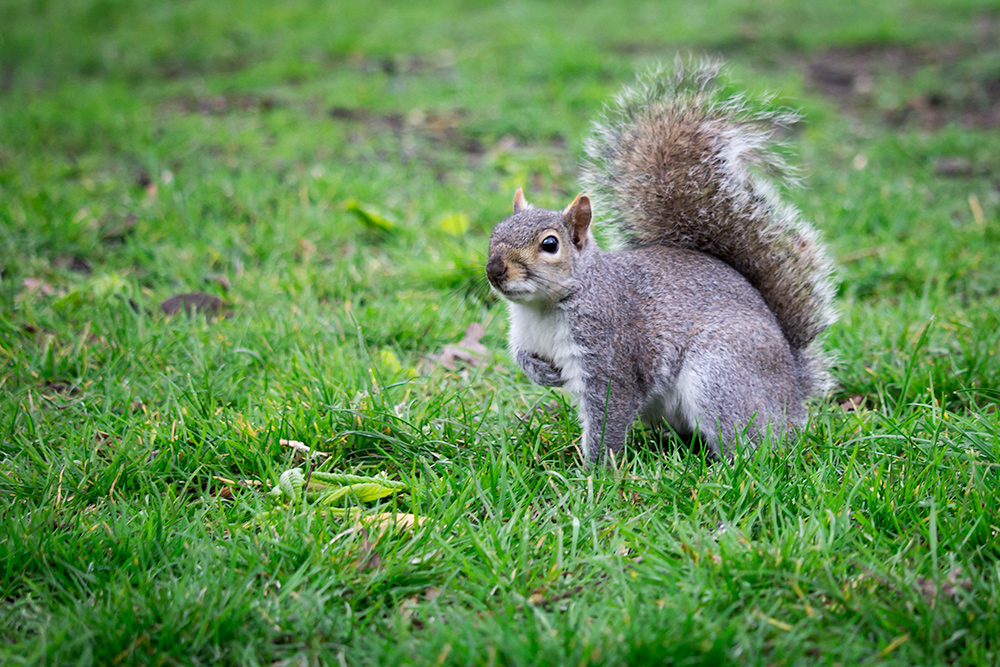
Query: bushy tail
x=678, y=161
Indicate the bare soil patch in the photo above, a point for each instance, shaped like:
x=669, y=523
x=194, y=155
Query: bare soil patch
x=968, y=92
x=441, y=127
x=219, y=105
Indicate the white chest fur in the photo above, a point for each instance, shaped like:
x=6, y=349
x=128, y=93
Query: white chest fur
x=547, y=334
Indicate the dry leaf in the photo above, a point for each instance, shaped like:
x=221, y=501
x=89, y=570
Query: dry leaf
x=305, y=249
x=949, y=587
x=927, y=587
x=853, y=403
x=38, y=285
x=406, y=609
x=410, y=604
x=74, y=263
x=221, y=280
x=193, y=302
x=103, y=439
x=953, y=166
x=539, y=599
x=952, y=583
x=116, y=229
x=402, y=521
x=468, y=350
x=368, y=559
x=62, y=387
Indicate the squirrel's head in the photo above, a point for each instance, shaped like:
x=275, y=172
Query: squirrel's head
x=533, y=252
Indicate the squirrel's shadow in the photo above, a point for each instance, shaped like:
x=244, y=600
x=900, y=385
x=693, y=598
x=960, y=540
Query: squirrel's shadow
x=662, y=438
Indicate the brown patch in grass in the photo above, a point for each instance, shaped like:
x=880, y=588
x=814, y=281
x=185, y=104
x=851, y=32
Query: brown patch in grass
x=220, y=105
x=75, y=263
x=468, y=351
x=444, y=127
x=440, y=64
x=967, y=95
x=193, y=302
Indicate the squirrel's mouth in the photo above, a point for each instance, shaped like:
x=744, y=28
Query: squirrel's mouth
x=510, y=281
x=518, y=283
x=515, y=292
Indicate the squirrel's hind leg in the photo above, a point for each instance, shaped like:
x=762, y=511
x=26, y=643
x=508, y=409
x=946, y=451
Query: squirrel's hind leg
x=738, y=397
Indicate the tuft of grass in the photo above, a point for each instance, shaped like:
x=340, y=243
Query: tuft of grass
x=331, y=174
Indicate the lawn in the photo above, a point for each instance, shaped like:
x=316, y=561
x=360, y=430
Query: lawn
x=323, y=178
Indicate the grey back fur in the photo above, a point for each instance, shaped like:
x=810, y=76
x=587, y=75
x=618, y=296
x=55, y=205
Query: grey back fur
x=676, y=161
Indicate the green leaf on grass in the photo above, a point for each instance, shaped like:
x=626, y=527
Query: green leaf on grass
x=456, y=224
x=389, y=360
x=363, y=492
x=326, y=488
x=289, y=486
x=372, y=219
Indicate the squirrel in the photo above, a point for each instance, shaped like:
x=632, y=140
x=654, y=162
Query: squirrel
x=709, y=310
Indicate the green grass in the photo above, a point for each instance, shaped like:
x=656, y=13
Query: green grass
x=151, y=149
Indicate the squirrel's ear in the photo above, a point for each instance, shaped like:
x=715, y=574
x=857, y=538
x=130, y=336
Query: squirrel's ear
x=520, y=203
x=578, y=216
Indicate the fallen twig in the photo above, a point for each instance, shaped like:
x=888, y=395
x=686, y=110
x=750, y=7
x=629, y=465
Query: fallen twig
x=301, y=447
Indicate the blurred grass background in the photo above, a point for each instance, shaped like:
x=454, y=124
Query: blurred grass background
x=329, y=173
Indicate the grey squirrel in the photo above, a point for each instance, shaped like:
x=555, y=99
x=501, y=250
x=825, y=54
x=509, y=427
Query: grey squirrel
x=709, y=312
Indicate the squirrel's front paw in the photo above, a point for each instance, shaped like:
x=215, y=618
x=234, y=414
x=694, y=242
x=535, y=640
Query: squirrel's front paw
x=540, y=370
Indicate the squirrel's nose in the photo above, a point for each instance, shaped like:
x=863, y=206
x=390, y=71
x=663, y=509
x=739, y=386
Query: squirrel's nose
x=496, y=270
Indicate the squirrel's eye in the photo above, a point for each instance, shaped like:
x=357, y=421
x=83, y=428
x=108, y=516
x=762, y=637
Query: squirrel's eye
x=550, y=244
